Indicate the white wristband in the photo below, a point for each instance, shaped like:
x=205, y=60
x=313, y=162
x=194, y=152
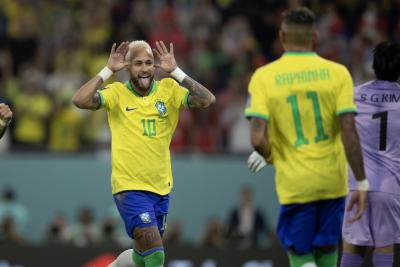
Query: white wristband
x=363, y=185
x=4, y=123
x=178, y=74
x=105, y=73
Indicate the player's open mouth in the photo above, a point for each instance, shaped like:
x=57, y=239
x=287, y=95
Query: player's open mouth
x=144, y=81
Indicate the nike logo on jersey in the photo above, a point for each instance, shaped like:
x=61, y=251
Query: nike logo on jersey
x=129, y=109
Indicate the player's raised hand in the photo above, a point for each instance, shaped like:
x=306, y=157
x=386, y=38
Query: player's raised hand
x=358, y=198
x=5, y=113
x=167, y=58
x=116, y=61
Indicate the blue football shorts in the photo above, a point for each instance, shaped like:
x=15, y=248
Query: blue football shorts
x=302, y=227
x=142, y=209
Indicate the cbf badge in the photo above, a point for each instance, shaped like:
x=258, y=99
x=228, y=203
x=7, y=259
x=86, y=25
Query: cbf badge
x=145, y=217
x=161, y=108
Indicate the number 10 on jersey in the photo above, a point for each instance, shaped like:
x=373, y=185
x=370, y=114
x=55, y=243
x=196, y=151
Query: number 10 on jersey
x=301, y=139
x=149, y=127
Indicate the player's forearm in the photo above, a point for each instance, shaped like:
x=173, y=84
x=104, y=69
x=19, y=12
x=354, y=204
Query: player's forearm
x=262, y=148
x=351, y=143
x=258, y=141
x=86, y=97
x=200, y=96
x=354, y=155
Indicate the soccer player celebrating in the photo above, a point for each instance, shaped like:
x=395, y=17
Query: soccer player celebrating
x=142, y=114
x=378, y=123
x=5, y=117
x=301, y=112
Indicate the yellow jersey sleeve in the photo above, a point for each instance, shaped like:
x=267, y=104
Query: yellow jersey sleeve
x=108, y=96
x=345, y=94
x=180, y=94
x=257, y=101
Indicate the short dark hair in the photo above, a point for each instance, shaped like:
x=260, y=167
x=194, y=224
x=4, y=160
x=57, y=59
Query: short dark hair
x=299, y=26
x=386, y=62
x=300, y=16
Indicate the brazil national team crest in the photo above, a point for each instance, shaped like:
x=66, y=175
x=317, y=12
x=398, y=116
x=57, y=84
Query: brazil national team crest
x=145, y=217
x=161, y=108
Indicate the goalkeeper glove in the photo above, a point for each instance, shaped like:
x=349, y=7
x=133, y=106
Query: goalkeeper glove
x=256, y=162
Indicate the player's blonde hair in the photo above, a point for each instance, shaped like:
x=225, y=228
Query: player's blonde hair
x=138, y=44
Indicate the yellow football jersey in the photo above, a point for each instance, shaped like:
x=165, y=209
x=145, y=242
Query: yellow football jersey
x=301, y=95
x=141, y=130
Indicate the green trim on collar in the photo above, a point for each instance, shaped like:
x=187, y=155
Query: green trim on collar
x=300, y=53
x=132, y=89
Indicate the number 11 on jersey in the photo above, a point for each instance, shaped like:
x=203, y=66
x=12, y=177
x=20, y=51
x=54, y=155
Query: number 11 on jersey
x=301, y=139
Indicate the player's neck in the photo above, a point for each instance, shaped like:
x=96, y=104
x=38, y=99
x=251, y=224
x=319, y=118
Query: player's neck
x=297, y=48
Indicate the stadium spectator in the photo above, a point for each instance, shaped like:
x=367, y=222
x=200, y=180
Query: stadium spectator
x=65, y=126
x=214, y=234
x=378, y=124
x=141, y=139
x=5, y=117
x=301, y=115
x=85, y=232
x=218, y=41
x=14, y=212
x=174, y=236
x=109, y=234
x=32, y=111
x=9, y=233
x=232, y=123
x=57, y=232
x=22, y=31
x=5, y=105
x=247, y=226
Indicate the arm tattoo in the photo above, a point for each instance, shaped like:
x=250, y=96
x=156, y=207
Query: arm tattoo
x=352, y=146
x=259, y=133
x=354, y=156
x=96, y=100
x=199, y=95
x=96, y=97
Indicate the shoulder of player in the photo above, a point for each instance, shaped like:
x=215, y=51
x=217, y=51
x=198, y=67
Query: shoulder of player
x=114, y=86
x=334, y=66
x=361, y=87
x=269, y=68
x=366, y=84
x=167, y=82
x=262, y=72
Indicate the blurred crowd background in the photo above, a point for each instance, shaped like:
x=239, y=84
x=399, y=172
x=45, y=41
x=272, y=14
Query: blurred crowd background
x=48, y=48
x=245, y=226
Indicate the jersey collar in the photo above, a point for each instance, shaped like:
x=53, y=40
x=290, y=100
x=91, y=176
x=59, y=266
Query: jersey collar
x=128, y=84
x=300, y=53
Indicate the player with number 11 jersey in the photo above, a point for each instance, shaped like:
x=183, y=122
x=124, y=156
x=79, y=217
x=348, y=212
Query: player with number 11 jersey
x=301, y=112
x=301, y=94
